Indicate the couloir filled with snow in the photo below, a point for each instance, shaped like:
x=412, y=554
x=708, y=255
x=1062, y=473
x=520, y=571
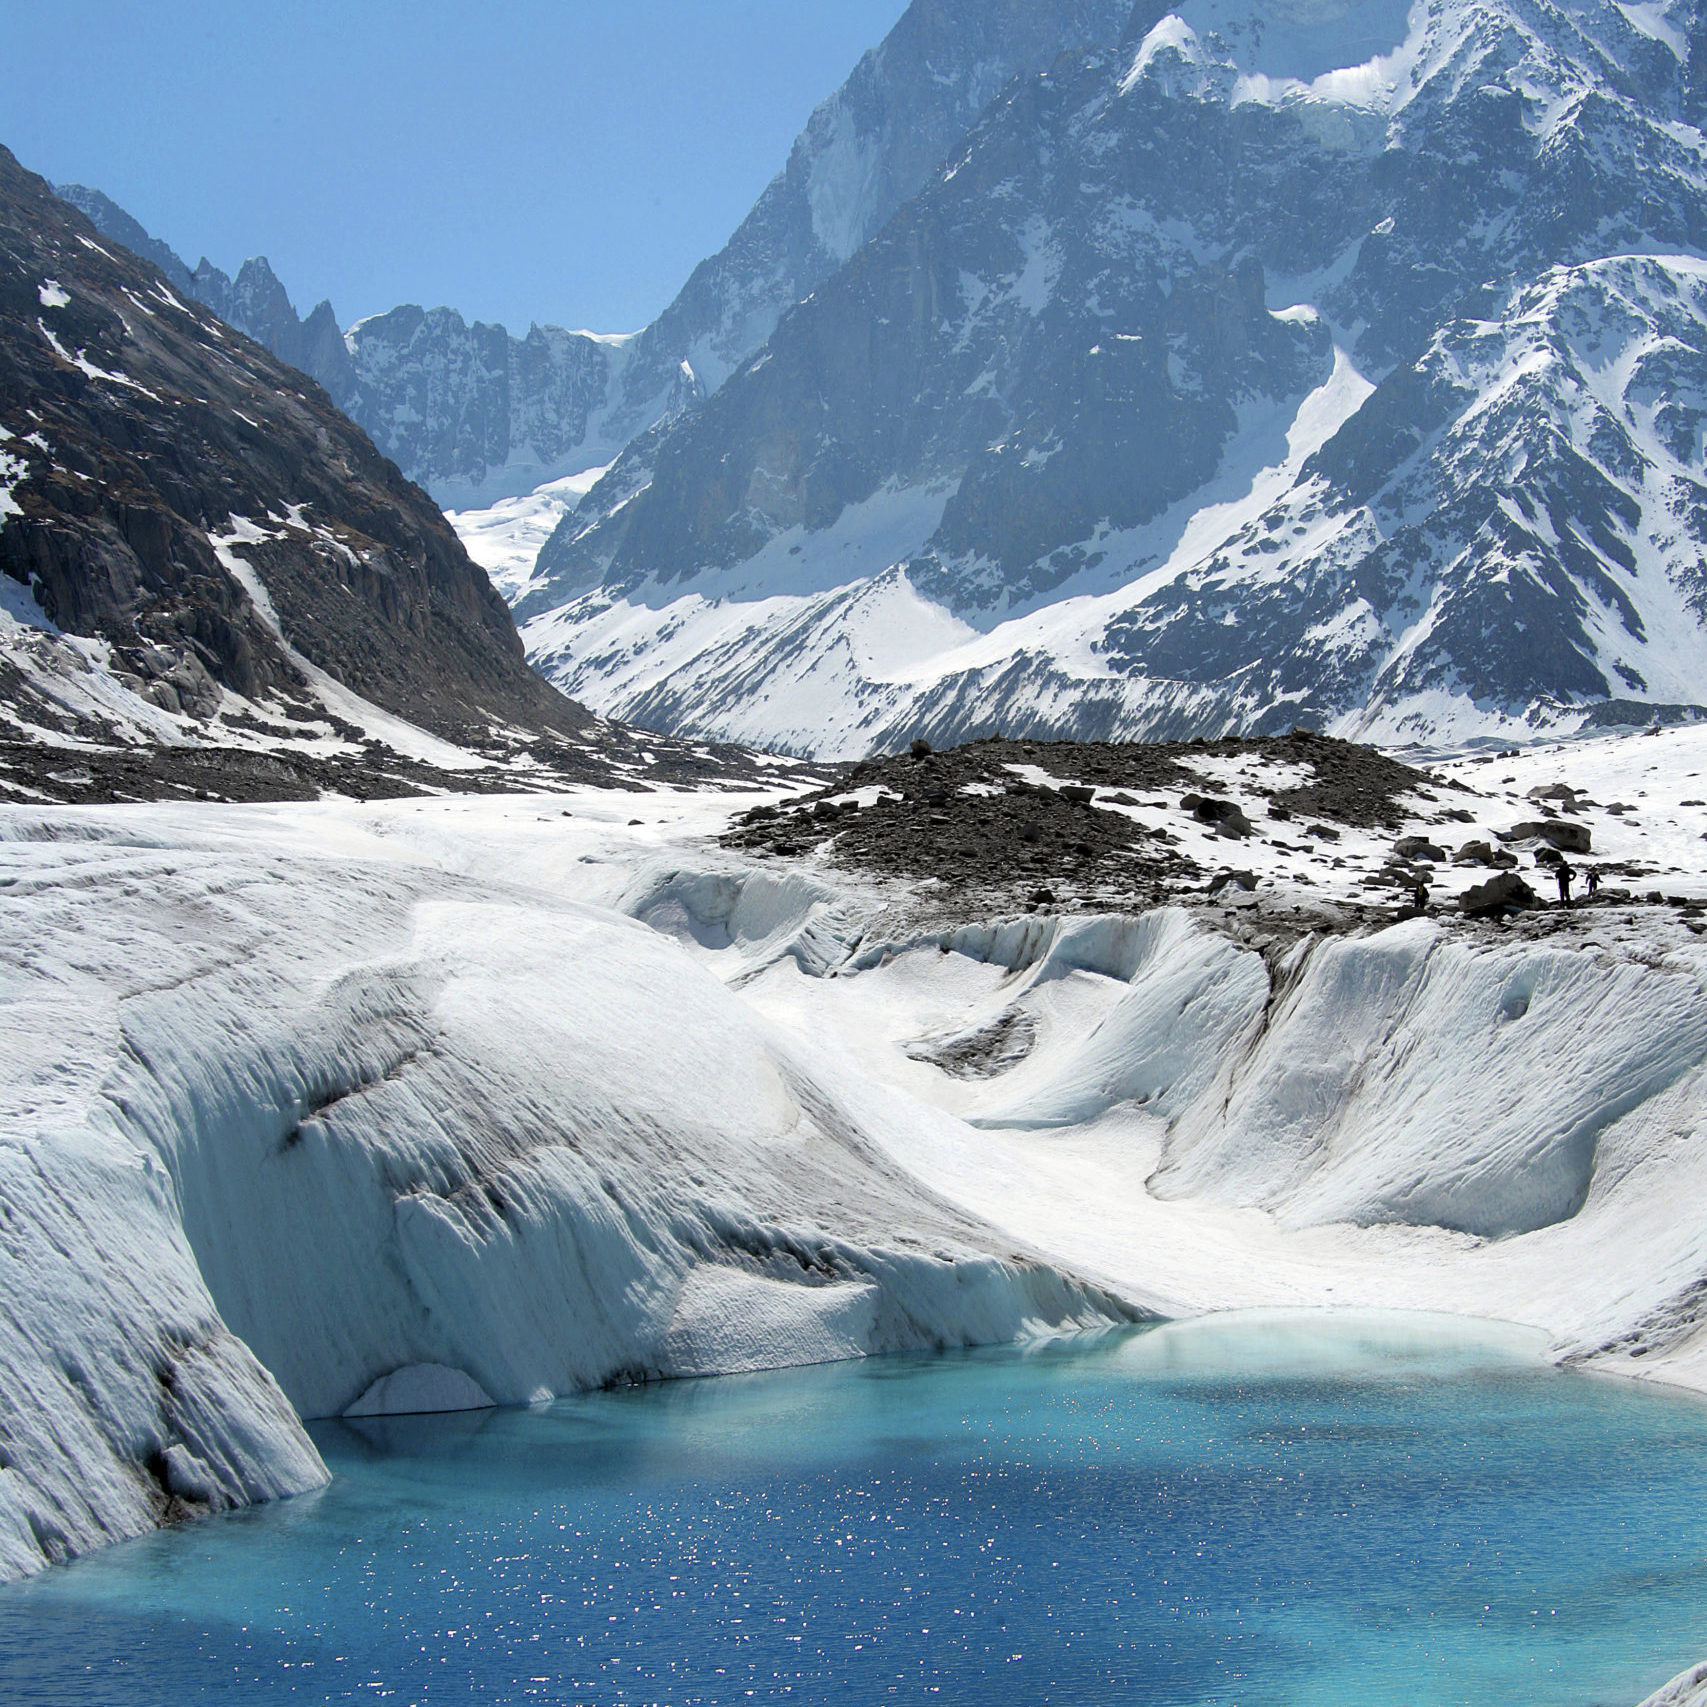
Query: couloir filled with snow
x=356, y=1108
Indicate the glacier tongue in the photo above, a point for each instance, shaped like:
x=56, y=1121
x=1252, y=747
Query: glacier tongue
x=291, y=1087
x=338, y=1109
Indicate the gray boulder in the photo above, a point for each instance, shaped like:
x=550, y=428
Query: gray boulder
x=1567, y=838
x=1498, y=895
x=1418, y=847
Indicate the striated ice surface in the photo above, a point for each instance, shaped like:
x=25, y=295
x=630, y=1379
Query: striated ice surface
x=339, y=1109
x=289, y=1128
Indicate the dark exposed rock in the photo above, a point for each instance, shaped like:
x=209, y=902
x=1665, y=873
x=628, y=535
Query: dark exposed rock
x=1499, y=894
x=160, y=427
x=1222, y=879
x=1226, y=815
x=1011, y=843
x=984, y=1053
x=1418, y=847
x=1568, y=838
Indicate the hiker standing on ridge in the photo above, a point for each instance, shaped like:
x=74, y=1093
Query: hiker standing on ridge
x=1564, y=874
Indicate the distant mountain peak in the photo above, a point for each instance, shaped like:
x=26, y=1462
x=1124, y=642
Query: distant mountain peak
x=1333, y=361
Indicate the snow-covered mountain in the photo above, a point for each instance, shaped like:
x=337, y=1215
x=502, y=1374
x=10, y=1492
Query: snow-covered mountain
x=478, y=416
x=1326, y=359
x=210, y=580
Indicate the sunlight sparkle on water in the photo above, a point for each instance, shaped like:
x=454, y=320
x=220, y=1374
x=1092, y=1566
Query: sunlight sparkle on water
x=1257, y=1511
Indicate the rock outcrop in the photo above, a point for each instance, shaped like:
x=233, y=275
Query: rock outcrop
x=193, y=521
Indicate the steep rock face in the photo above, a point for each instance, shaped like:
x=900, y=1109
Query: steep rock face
x=206, y=521
x=1324, y=357
x=469, y=412
x=474, y=413
x=867, y=150
x=254, y=302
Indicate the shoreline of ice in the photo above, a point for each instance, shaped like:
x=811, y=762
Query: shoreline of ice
x=313, y=1109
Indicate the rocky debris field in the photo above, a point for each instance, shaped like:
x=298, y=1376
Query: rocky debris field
x=1060, y=821
x=1300, y=830
x=354, y=767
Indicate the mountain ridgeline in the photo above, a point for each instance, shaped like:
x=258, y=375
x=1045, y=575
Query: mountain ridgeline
x=192, y=533
x=1327, y=360
x=474, y=413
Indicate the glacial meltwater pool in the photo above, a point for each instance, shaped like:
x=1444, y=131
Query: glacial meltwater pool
x=1260, y=1510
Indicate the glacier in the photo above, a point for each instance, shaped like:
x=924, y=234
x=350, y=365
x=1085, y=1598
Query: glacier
x=304, y=1115
x=346, y=1109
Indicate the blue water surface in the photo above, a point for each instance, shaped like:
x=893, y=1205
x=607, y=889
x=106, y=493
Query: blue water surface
x=1261, y=1511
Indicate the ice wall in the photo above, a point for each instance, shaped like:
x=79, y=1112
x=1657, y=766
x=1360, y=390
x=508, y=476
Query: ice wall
x=1414, y=1077
x=288, y=1128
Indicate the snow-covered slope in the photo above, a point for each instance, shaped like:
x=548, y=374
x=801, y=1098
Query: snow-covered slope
x=1336, y=362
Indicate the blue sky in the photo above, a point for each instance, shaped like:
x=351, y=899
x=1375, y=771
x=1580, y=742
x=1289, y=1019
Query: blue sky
x=564, y=162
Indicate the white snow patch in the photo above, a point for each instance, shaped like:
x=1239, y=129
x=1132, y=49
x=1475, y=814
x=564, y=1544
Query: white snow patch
x=1653, y=18
x=51, y=295
x=401, y=736
x=81, y=362
x=14, y=471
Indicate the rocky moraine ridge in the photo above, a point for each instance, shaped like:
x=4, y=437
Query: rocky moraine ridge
x=1293, y=833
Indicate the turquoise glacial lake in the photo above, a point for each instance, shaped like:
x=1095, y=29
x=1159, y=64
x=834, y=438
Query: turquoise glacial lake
x=1270, y=1511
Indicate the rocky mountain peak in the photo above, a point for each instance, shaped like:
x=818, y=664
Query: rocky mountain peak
x=198, y=543
x=1327, y=360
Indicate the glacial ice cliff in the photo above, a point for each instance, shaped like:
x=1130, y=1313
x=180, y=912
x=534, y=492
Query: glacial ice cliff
x=311, y=1110
x=289, y=1130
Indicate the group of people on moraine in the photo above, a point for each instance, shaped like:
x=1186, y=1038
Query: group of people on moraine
x=1564, y=874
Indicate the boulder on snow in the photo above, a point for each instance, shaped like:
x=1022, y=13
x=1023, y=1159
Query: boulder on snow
x=1568, y=838
x=1417, y=847
x=1077, y=793
x=1221, y=879
x=1475, y=853
x=1489, y=899
x=1225, y=815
